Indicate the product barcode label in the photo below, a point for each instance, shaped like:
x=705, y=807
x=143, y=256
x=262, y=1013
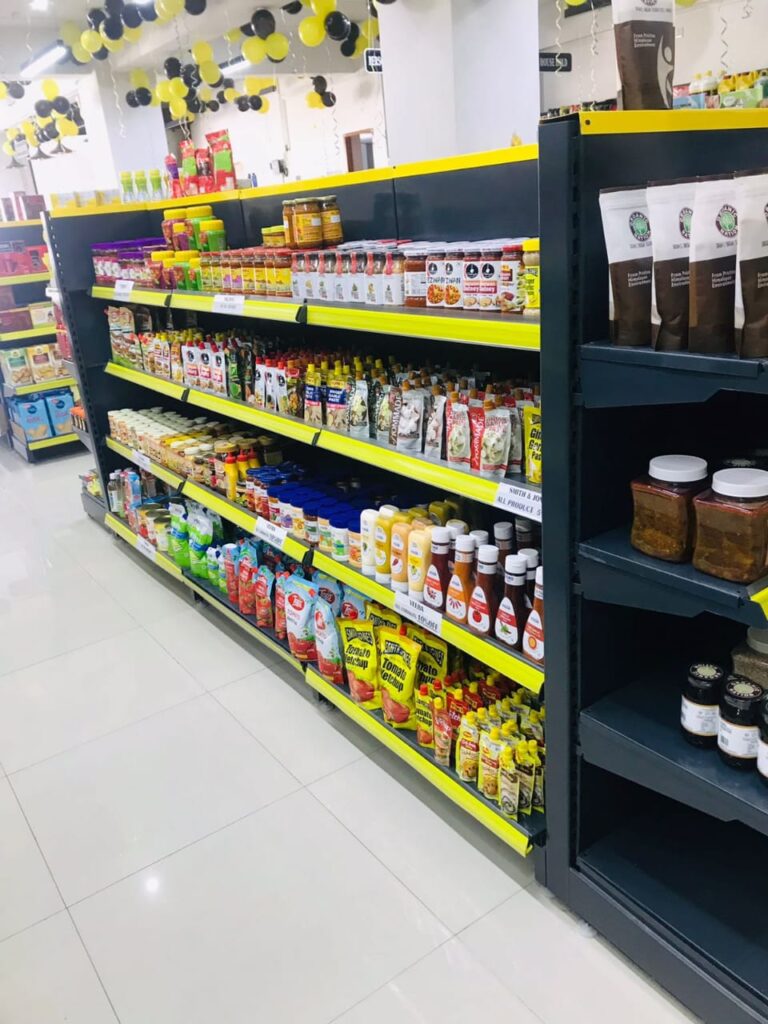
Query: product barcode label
x=270, y=532
x=519, y=499
x=123, y=289
x=419, y=613
x=140, y=459
x=232, y=304
x=148, y=550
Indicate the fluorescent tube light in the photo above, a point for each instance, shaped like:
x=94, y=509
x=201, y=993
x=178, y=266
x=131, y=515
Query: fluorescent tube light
x=38, y=64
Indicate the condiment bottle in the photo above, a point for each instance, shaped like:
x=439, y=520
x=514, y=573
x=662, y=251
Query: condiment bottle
x=399, y=555
x=480, y=537
x=368, y=519
x=504, y=539
x=483, y=603
x=455, y=527
x=762, y=743
x=382, y=542
x=436, y=581
x=419, y=546
x=460, y=585
x=533, y=634
x=700, y=704
x=231, y=474
x=532, y=558
x=737, y=735
x=513, y=610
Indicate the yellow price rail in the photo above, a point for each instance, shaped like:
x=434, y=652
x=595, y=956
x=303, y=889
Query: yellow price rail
x=51, y=442
x=49, y=385
x=148, y=550
x=147, y=380
x=25, y=278
x=514, y=834
x=31, y=332
x=20, y=224
x=286, y=426
x=144, y=462
x=144, y=296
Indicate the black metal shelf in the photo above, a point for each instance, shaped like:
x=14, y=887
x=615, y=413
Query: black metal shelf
x=616, y=377
x=612, y=571
x=634, y=732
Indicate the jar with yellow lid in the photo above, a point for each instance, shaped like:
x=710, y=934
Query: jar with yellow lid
x=308, y=223
x=259, y=272
x=213, y=237
x=330, y=214
x=532, y=276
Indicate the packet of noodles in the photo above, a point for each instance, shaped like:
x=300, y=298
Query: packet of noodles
x=398, y=665
x=358, y=642
x=532, y=443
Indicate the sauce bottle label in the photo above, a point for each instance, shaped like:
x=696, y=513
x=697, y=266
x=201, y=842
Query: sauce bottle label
x=455, y=605
x=479, y=611
x=762, y=758
x=533, y=638
x=433, y=589
x=699, y=719
x=506, y=623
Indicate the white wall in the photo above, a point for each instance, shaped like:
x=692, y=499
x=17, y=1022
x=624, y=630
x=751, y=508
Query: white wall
x=697, y=41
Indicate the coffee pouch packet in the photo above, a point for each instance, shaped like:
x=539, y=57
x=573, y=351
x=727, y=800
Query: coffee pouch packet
x=644, y=31
x=670, y=208
x=627, y=232
x=751, y=309
x=714, y=231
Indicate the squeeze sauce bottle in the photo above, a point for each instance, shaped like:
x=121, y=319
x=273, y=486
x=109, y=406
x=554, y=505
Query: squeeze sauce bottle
x=533, y=635
x=399, y=555
x=382, y=540
x=460, y=585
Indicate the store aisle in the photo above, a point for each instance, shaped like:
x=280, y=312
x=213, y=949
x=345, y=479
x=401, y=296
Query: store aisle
x=187, y=839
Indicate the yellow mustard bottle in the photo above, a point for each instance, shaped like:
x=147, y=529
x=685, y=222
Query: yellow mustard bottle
x=401, y=531
x=419, y=549
x=382, y=544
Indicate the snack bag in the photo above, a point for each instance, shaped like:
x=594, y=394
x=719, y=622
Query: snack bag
x=442, y=732
x=352, y=604
x=458, y=437
x=476, y=428
x=424, y=728
x=212, y=564
x=532, y=432
x=221, y=154
x=358, y=410
x=280, y=624
x=382, y=617
x=300, y=599
x=398, y=661
x=434, y=440
x=231, y=573
x=497, y=438
x=329, y=589
x=200, y=537
x=488, y=769
x=327, y=641
x=360, y=659
x=433, y=660
x=246, y=585
x=265, y=581
x=178, y=542
x=508, y=785
x=467, y=748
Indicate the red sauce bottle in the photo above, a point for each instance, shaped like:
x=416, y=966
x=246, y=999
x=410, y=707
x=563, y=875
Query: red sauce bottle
x=513, y=609
x=484, y=602
x=437, y=578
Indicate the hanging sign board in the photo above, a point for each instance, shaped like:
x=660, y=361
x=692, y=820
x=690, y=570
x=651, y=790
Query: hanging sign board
x=556, y=62
x=373, y=61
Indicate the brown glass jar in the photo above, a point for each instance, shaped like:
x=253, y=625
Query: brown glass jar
x=416, y=278
x=270, y=274
x=259, y=272
x=333, y=232
x=283, y=273
x=289, y=209
x=308, y=223
x=732, y=526
x=663, y=523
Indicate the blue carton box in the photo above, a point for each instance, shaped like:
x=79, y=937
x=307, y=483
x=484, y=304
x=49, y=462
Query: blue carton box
x=60, y=411
x=32, y=417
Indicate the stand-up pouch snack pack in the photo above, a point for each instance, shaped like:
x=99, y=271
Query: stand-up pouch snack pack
x=627, y=230
x=752, y=265
x=670, y=208
x=713, y=266
x=644, y=31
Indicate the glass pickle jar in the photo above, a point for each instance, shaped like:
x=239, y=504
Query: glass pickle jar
x=738, y=735
x=732, y=526
x=416, y=278
x=333, y=233
x=663, y=522
x=308, y=223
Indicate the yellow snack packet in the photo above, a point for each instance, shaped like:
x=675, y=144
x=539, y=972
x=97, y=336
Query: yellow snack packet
x=358, y=641
x=532, y=443
x=398, y=662
x=433, y=660
x=381, y=616
x=467, y=748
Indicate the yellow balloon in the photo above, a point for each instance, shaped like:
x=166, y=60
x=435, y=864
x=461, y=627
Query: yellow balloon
x=132, y=34
x=67, y=127
x=252, y=84
x=311, y=31
x=80, y=53
x=205, y=94
x=140, y=79
x=113, y=45
x=3, y=90
x=191, y=115
x=314, y=100
x=43, y=121
x=278, y=46
x=323, y=7
x=202, y=52
x=264, y=108
x=178, y=107
x=686, y=3
x=230, y=95
x=8, y=148
x=254, y=50
x=90, y=40
x=210, y=72
x=50, y=88
x=164, y=90
x=233, y=36
x=155, y=101
x=179, y=88
x=11, y=133
x=27, y=127
x=361, y=45
x=70, y=33
x=370, y=29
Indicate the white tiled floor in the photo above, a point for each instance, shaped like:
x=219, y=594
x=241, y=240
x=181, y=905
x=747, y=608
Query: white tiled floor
x=186, y=839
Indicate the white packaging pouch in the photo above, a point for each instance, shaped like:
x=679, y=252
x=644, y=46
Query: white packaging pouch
x=751, y=309
x=714, y=231
x=627, y=230
x=670, y=209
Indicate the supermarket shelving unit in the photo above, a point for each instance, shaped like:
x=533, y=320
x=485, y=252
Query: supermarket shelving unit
x=440, y=199
x=657, y=844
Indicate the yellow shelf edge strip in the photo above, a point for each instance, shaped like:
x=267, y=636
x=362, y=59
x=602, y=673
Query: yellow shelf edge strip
x=154, y=467
x=32, y=332
x=296, y=429
x=226, y=509
x=51, y=442
x=628, y=122
x=352, y=578
x=147, y=380
x=761, y=598
x=520, y=671
x=25, y=278
x=123, y=530
x=451, y=788
x=49, y=385
x=468, y=161
x=93, y=211
x=20, y=224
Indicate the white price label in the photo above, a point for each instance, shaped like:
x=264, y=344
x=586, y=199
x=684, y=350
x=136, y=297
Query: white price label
x=519, y=499
x=419, y=613
x=140, y=459
x=148, y=550
x=232, y=304
x=123, y=289
x=270, y=532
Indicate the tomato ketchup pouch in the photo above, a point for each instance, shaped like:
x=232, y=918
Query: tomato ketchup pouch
x=398, y=666
x=299, y=605
x=358, y=640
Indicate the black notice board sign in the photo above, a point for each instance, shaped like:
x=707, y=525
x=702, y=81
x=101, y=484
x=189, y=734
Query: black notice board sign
x=555, y=62
x=373, y=61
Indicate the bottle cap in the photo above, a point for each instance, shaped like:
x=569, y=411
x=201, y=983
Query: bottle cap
x=741, y=483
x=441, y=535
x=516, y=565
x=705, y=682
x=540, y=575
x=678, y=469
x=531, y=556
x=503, y=531
x=758, y=639
x=481, y=536
x=488, y=553
x=465, y=543
x=495, y=733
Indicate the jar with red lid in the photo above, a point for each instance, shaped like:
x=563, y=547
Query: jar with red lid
x=283, y=273
x=270, y=273
x=259, y=272
x=732, y=526
x=511, y=285
x=415, y=279
x=663, y=522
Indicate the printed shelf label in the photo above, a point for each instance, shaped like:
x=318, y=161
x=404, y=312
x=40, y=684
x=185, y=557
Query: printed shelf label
x=140, y=459
x=271, y=533
x=148, y=550
x=232, y=304
x=419, y=613
x=123, y=289
x=519, y=499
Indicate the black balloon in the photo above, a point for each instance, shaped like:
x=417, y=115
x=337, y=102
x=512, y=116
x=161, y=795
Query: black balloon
x=193, y=104
x=51, y=131
x=143, y=95
x=329, y=99
x=273, y=60
x=195, y=6
x=263, y=22
x=255, y=102
x=228, y=83
x=354, y=32
x=148, y=12
x=132, y=99
x=247, y=29
x=386, y=1
x=242, y=103
x=294, y=7
x=61, y=105
x=95, y=17
x=213, y=105
x=221, y=97
x=172, y=67
x=76, y=116
x=15, y=89
x=132, y=16
x=191, y=75
x=320, y=84
x=112, y=28
x=337, y=25
x=43, y=108
x=348, y=48
x=191, y=94
x=115, y=7
x=101, y=54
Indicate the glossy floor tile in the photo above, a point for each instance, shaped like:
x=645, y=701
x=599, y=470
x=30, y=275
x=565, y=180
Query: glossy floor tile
x=186, y=838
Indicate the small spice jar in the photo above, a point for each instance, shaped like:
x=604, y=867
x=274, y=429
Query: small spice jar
x=663, y=522
x=700, y=705
x=511, y=284
x=330, y=214
x=732, y=526
x=415, y=267
x=737, y=736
